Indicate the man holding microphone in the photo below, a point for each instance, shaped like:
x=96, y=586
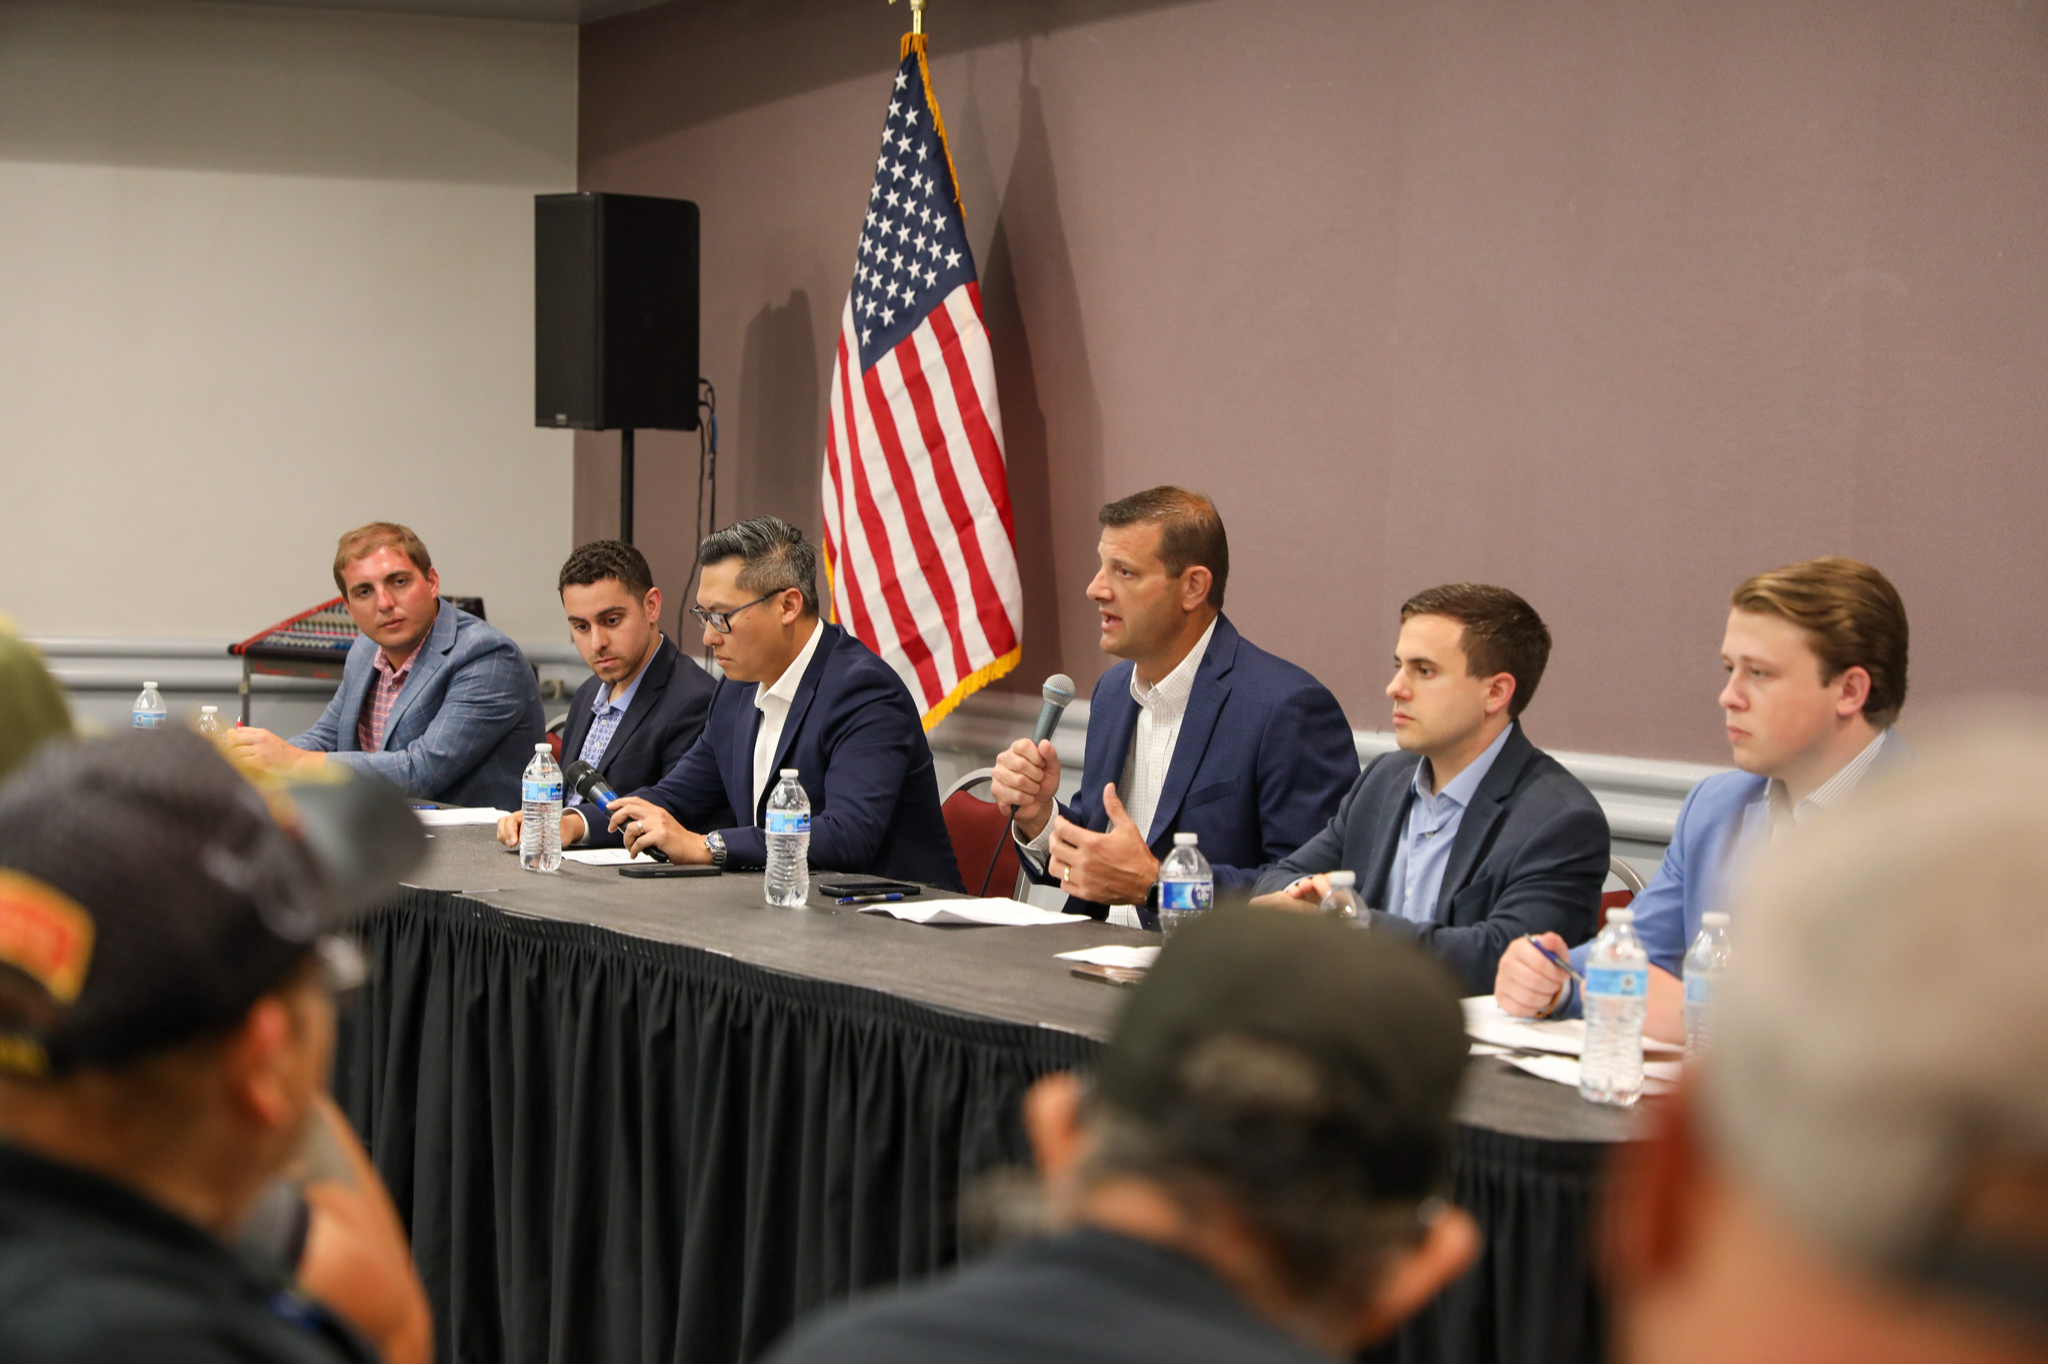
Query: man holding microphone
x=1201, y=731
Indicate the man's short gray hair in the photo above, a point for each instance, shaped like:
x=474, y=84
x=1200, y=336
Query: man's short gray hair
x=776, y=555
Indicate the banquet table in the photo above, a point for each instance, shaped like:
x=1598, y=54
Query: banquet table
x=660, y=1120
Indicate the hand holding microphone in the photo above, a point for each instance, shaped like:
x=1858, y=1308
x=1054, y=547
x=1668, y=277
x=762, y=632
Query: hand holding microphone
x=588, y=783
x=1027, y=774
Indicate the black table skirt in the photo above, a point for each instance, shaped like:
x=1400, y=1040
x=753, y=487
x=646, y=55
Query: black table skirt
x=612, y=1148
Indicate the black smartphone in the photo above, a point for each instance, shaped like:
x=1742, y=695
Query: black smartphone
x=868, y=886
x=669, y=870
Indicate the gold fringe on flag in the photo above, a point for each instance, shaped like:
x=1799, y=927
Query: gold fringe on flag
x=915, y=42
x=972, y=683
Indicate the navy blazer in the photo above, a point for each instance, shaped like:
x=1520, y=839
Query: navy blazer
x=664, y=720
x=1530, y=856
x=464, y=725
x=857, y=742
x=1263, y=758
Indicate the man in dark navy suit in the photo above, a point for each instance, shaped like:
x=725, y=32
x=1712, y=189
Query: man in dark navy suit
x=645, y=705
x=1200, y=732
x=797, y=693
x=1467, y=836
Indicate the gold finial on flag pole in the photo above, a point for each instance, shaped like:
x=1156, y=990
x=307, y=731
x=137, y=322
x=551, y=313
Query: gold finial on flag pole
x=916, y=15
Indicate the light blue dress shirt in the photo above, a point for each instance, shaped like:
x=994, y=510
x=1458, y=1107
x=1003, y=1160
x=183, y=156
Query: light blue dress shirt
x=1426, y=837
x=609, y=711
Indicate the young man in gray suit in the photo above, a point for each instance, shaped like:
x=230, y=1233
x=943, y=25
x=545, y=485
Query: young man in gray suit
x=1469, y=836
x=432, y=700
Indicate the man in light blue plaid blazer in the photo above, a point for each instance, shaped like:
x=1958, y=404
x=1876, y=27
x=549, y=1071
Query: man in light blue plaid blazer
x=464, y=725
x=432, y=700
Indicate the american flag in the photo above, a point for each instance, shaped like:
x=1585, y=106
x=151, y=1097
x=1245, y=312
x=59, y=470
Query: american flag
x=919, y=545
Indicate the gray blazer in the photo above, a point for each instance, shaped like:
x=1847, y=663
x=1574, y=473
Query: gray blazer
x=1530, y=856
x=464, y=726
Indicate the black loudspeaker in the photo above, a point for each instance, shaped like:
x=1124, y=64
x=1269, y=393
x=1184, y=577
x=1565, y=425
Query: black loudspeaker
x=615, y=312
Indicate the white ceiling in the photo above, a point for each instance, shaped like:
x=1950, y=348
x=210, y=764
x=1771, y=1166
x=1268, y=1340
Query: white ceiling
x=540, y=11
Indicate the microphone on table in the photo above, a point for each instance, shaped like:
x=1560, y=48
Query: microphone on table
x=590, y=784
x=1058, y=693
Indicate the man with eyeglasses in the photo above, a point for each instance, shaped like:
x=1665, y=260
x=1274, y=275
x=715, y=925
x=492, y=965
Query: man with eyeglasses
x=797, y=693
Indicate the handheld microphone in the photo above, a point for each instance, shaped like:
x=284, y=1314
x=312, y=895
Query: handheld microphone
x=1059, y=695
x=587, y=782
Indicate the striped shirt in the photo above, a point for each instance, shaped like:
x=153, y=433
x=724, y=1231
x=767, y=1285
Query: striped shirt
x=383, y=695
x=1784, y=814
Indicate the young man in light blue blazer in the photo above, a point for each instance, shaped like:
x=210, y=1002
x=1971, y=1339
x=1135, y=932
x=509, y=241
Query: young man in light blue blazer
x=1816, y=659
x=432, y=699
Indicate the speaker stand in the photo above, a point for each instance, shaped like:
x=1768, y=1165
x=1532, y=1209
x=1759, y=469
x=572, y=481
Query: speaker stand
x=626, y=484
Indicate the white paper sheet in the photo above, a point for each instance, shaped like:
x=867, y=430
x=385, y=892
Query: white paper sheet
x=1113, y=955
x=459, y=815
x=1487, y=1022
x=603, y=857
x=993, y=910
x=1658, y=1077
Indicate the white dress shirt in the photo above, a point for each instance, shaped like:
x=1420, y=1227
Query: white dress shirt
x=773, y=702
x=1161, y=708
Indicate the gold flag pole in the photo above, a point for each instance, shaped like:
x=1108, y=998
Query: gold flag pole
x=916, y=15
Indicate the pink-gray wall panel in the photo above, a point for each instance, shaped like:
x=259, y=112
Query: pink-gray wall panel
x=1613, y=302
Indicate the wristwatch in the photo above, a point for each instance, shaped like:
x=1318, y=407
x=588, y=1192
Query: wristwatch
x=714, y=844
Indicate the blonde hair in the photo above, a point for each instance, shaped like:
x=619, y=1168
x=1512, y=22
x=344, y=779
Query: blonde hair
x=1853, y=616
x=379, y=535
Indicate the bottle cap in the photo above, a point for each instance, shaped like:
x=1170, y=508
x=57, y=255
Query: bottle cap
x=1714, y=919
x=542, y=747
x=789, y=772
x=1338, y=879
x=1621, y=915
x=1183, y=841
x=149, y=686
x=206, y=710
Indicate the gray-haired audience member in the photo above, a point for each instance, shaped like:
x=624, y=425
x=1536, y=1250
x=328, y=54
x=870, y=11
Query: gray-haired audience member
x=1256, y=1174
x=797, y=693
x=1861, y=1171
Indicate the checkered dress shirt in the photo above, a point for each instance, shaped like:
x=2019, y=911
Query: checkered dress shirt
x=383, y=695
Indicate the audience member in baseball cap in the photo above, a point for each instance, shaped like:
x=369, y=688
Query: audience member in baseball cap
x=1860, y=1170
x=1256, y=1173
x=165, y=1029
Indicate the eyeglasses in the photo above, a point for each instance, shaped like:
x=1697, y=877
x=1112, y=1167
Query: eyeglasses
x=721, y=621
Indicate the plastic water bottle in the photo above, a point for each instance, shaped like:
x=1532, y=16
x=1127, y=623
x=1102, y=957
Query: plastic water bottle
x=789, y=842
x=1343, y=903
x=540, y=829
x=1187, y=887
x=209, y=723
x=1704, y=963
x=1617, y=997
x=149, y=709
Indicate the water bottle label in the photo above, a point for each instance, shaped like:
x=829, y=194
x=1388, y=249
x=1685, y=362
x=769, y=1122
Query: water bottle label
x=1185, y=895
x=789, y=822
x=149, y=720
x=1626, y=982
x=1699, y=988
x=540, y=791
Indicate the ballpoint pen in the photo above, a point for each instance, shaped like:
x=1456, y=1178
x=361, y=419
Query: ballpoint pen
x=885, y=898
x=1554, y=959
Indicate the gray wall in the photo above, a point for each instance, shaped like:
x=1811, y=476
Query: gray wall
x=267, y=274
x=1613, y=302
